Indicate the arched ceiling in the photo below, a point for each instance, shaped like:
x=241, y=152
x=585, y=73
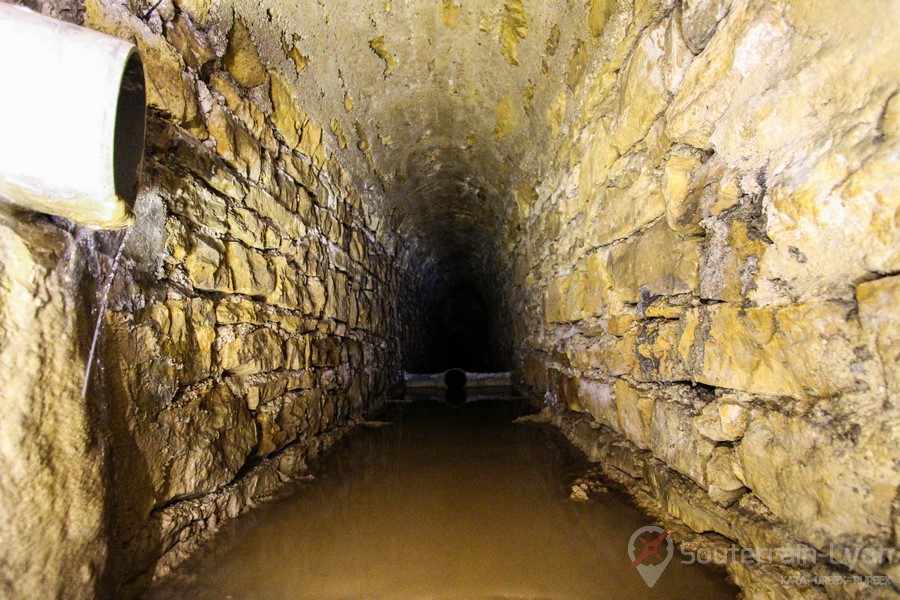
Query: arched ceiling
x=442, y=106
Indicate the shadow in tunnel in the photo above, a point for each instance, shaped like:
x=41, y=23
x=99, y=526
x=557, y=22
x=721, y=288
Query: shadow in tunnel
x=463, y=333
x=456, y=387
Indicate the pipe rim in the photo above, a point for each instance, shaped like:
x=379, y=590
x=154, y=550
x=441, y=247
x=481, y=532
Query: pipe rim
x=455, y=378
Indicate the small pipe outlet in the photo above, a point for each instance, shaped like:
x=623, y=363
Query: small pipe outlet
x=72, y=119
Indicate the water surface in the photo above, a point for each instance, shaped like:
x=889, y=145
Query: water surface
x=442, y=502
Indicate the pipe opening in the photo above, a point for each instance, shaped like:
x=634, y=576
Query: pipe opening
x=455, y=379
x=128, y=143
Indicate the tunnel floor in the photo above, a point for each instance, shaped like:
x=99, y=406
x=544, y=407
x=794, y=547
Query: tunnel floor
x=438, y=501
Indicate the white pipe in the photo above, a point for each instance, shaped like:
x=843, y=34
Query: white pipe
x=72, y=119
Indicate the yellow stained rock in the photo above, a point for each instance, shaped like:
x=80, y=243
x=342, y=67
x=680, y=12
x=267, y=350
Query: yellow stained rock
x=658, y=260
x=506, y=118
x=643, y=94
x=450, y=9
x=300, y=60
x=513, y=29
x=723, y=486
x=675, y=441
x=192, y=44
x=635, y=414
x=287, y=116
x=681, y=214
x=799, y=351
x=600, y=13
x=379, y=47
x=878, y=303
x=242, y=57
x=258, y=352
x=556, y=113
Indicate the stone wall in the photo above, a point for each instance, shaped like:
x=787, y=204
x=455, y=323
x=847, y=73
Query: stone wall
x=710, y=273
x=258, y=309
x=682, y=217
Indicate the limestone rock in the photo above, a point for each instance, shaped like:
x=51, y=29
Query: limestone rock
x=317, y=296
x=203, y=261
x=296, y=353
x=723, y=420
x=600, y=13
x=53, y=487
x=246, y=227
x=635, y=414
x=257, y=352
x=183, y=333
x=598, y=157
x=199, y=10
x=878, y=310
x=194, y=202
x=192, y=44
x=234, y=310
x=678, y=56
x=710, y=84
x=242, y=57
x=614, y=213
x=250, y=271
x=643, y=95
x=797, y=351
x=234, y=143
x=832, y=486
x=579, y=494
x=657, y=353
x=293, y=123
x=245, y=111
x=827, y=237
x=658, y=260
x=284, y=419
x=286, y=292
x=682, y=207
x=682, y=499
x=699, y=19
x=380, y=48
x=206, y=439
x=724, y=487
x=513, y=29
x=729, y=270
x=676, y=441
x=596, y=397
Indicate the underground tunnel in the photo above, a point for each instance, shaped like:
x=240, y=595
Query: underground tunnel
x=669, y=228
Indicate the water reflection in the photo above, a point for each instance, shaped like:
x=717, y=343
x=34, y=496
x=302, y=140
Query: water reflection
x=444, y=502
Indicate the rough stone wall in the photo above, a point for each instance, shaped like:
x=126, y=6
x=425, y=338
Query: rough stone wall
x=710, y=273
x=265, y=304
x=51, y=484
x=701, y=263
x=258, y=309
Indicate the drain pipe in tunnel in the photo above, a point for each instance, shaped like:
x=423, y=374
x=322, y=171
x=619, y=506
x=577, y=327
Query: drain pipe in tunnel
x=72, y=119
x=463, y=379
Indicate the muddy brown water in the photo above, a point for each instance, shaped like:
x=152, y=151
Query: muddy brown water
x=442, y=502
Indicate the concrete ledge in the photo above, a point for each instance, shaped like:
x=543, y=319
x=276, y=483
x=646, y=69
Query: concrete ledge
x=436, y=380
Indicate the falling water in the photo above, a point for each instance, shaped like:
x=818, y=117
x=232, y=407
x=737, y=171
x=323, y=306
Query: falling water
x=102, y=311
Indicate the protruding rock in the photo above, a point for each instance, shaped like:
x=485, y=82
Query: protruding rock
x=242, y=57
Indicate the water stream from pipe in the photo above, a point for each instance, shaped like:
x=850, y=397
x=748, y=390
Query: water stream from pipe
x=101, y=312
